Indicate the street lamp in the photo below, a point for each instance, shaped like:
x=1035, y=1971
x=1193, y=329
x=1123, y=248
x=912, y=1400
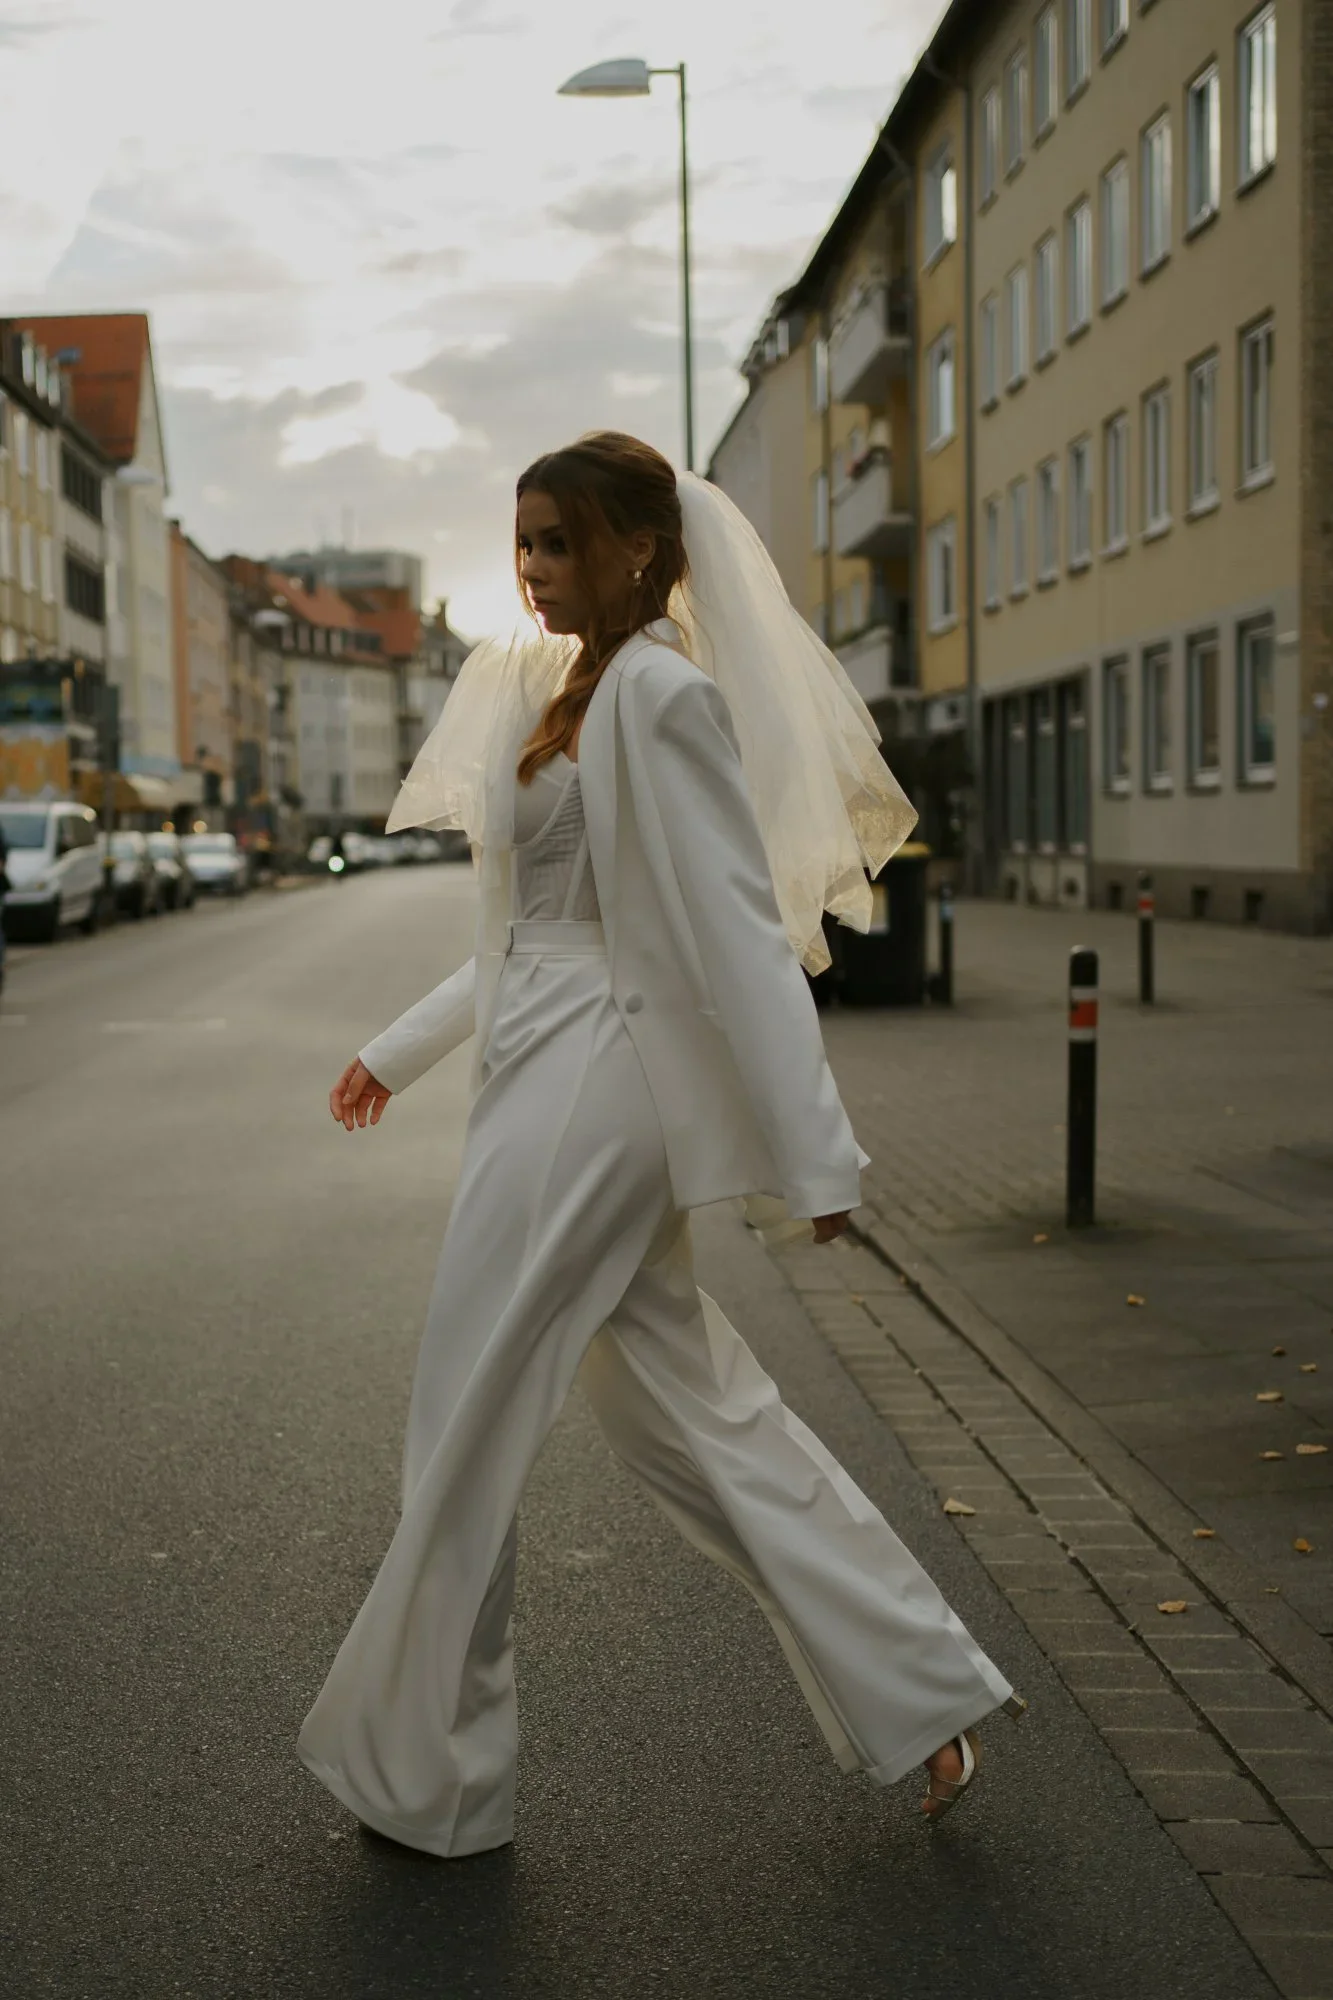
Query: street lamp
x=629, y=77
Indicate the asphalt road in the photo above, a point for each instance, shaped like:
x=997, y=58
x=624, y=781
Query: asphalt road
x=209, y=1308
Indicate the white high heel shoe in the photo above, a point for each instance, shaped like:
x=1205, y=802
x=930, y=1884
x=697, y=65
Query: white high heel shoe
x=943, y=1794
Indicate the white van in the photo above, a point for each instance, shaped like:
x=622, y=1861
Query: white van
x=54, y=866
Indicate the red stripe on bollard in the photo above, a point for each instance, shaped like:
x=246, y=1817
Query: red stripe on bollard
x=1083, y=1019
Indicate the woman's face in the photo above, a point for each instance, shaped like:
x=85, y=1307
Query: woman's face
x=554, y=587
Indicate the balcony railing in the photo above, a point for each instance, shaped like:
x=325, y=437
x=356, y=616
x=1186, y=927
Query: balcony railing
x=868, y=662
x=869, y=347
x=866, y=521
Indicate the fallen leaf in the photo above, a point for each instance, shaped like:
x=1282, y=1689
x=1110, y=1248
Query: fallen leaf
x=1279, y=1351
x=952, y=1506
x=1269, y=1396
x=1134, y=1299
x=1271, y=1589
x=1309, y=1367
x=857, y=1298
x=1270, y=1454
x=1302, y=1547
x=1174, y=1604
x=1310, y=1450
x=1204, y=1534
x=1041, y=1237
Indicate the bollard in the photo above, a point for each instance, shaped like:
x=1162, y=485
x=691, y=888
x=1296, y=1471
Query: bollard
x=1081, y=1114
x=944, y=984
x=1147, y=915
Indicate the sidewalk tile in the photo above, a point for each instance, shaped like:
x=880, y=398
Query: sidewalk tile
x=1178, y=1751
x=1220, y=1796
x=1101, y=1673
x=1292, y=1731
x=1131, y=1709
x=1216, y=1848
x=1261, y=1907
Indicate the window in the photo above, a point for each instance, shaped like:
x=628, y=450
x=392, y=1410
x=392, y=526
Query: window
x=992, y=542
x=1016, y=324
x=1115, y=23
x=1044, y=72
x=6, y=546
x=1202, y=418
x=1203, y=709
x=1115, y=725
x=1155, y=178
x=1080, y=503
x=1203, y=137
x=820, y=523
x=1258, y=93
x=47, y=569
x=43, y=462
x=1018, y=537
x=80, y=485
x=1014, y=713
x=1072, y=722
x=1157, y=719
x=1156, y=460
x=1047, y=279
x=819, y=375
x=1115, y=463
x=940, y=379
x=1078, y=265
x=1257, y=732
x=989, y=344
x=1078, y=45
x=941, y=203
x=26, y=578
x=1048, y=521
x=21, y=432
x=942, y=574
x=1115, y=232
x=1256, y=404
x=1015, y=110
x=990, y=144
x=84, y=591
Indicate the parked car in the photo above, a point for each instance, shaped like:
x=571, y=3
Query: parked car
x=54, y=867
x=174, y=880
x=134, y=878
x=216, y=863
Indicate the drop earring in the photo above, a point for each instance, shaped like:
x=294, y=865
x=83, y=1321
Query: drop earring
x=638, y=576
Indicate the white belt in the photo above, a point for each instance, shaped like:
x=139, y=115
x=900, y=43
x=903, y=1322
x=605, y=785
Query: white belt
x=556, y=934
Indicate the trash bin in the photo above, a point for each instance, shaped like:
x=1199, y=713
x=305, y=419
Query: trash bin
x=886, y=967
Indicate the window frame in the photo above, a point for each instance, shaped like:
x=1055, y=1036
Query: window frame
x=1114, y=25
x=1045, y=65
x=1254, y=771
x=1152, y=254
x=1255, y=474
x=1249, y=170
x=1202, y=371
x=993, y=551
x=988, y=346
x=1115, y=179
x=1206, y=86
x=1044, y=349
x=819, y=374
x=1047, y=537
x=940, y=223
x=1156, y=436
x=1117, y=771
x=1020, y=516
x=1078, y=504
x=1015, y=290
x=1014, y=118
x=942, y=536
x=1156, y=692
x=991, y=146
x=1116, y=432
x=942, y=350
x=1202, y=777
x=1077, y=33
x=1078, y=267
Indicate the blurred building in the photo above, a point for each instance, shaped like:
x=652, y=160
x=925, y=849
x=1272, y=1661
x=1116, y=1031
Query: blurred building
x=1065, y=458
x=201, y=657
x=357, y=569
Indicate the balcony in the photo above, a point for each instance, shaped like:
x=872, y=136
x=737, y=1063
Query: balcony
x=866, y=521
x=869, y=347
x=867, y=661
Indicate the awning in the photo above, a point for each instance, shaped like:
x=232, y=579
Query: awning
x=137, y=792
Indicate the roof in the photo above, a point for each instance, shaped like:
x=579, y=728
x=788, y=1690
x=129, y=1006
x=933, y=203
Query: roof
x=108, y=378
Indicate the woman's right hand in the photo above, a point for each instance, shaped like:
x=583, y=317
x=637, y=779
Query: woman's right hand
x=357, y=1095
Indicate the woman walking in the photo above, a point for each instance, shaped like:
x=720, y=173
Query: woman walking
x=664, y=792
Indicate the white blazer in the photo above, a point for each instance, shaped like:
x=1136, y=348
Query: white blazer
x=708, y=987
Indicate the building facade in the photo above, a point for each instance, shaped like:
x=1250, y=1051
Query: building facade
x=201, y=654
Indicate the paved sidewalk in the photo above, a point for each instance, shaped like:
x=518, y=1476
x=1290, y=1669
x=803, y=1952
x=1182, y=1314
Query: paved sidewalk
x=1116, y=1453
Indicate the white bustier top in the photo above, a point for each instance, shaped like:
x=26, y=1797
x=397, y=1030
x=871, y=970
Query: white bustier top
x=552, y=873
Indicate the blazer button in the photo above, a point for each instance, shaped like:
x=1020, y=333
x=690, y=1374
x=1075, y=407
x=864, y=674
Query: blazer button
x=633, y=1003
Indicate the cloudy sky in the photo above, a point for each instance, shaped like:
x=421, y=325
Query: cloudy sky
x=386, y=264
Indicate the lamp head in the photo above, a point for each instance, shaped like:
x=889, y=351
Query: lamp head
x=627, y=76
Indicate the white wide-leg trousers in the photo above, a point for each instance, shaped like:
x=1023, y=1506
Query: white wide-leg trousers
x=564, y=1259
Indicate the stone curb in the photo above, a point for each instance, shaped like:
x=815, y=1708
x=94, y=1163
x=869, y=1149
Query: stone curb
x=1227, y=1750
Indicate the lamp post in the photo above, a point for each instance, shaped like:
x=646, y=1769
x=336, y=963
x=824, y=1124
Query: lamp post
x=630, y=77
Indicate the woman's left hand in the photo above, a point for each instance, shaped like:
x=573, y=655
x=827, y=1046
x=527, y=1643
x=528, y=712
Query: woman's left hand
x=829, y=1226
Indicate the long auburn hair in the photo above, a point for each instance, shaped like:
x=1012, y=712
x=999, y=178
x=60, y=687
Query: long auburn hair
x=607, y=487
